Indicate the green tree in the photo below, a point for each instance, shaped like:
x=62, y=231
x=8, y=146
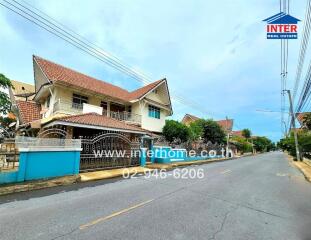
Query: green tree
x=307, y=120
x=246, y=133
x=174, y=130
x=5, y=103
x=263, y=144
x=6, y=121
x=196, y=129
x=304, y=140
x=242, y=145
x=213, y=132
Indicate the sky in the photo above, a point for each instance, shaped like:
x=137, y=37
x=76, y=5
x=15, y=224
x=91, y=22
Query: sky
x=212, y=52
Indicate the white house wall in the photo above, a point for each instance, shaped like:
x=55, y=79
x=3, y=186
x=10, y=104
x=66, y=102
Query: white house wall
x=39, y=77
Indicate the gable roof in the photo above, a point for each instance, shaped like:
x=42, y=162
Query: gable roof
x=96, y=120
x=29, y=111
x=192, y=118
x=22, y=90
x=226, y=124
x=59, y=74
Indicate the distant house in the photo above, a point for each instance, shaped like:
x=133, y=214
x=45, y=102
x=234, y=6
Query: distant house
x=300, y=118
x=21, y=91
x=226, y=124
x=82, y=105
x=188, y=118
x=237, y=133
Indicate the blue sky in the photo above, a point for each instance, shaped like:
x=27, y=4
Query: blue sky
x=214, y=52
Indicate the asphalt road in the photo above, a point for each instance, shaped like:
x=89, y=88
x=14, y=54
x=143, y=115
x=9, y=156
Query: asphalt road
x=260, y=197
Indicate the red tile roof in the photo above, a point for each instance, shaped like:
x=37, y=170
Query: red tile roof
x=95, y=119
x=29, y=111
x=300, y=117
x=237, y=133
x=226, y=124
x=58, y=73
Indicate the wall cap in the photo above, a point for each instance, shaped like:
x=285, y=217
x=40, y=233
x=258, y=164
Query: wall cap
x=49, y=149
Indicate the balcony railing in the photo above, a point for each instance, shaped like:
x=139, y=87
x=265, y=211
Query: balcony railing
x=124, y=116
x=67, y=107
x=74, y=108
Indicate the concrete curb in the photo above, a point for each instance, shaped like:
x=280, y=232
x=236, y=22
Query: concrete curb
x=35, y=185
x=303, y=166
x=112, y=173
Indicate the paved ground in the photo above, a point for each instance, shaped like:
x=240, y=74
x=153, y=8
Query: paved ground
x=260, y=197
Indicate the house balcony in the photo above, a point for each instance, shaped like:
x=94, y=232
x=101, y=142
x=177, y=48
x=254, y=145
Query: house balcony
x=128, y=117
x=75, y=109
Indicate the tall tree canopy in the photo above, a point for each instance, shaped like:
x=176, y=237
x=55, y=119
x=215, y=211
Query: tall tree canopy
x=263, y=144
x=307, y=120
x=196, y=129
x=246, y=133
x=5, y=103
x=213, y=132
x=174, y=130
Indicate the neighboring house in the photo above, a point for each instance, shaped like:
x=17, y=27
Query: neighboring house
x=237, y=133
x=188, y=118
x=300, y=118
x=84, y=105
x=226, y=124
x=21, y=91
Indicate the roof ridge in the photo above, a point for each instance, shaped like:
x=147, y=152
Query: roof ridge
x=127, y=95
x=82, y=114
x=71, y=69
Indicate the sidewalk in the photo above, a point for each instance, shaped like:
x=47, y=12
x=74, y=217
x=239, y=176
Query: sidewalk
x=304, y=166
x=112, y=173
x=35, y=185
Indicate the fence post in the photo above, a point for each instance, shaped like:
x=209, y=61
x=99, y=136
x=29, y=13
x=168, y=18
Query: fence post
x=143, y=156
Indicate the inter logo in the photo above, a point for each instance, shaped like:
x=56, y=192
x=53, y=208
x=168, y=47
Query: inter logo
x=282, y=26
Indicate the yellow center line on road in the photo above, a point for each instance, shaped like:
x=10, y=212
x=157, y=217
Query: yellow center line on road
x=226, y=171
x=114, y=215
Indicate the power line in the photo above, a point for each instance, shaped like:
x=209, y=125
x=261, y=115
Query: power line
x=84, y=45
x=303, y=49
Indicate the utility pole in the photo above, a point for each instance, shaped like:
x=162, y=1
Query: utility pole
x=227, y=147
x=253, y=146
x=293, y=125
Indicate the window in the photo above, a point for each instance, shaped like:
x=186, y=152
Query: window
x=153, y=112
x=104, y=105
x=78, y=100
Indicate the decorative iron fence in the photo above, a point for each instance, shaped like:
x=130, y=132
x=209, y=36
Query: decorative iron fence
x=9, y=155
x=109, y=150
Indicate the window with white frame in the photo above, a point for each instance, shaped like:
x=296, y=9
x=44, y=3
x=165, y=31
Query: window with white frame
x=154, y=112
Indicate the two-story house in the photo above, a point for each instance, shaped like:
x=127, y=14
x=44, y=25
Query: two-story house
x=84, y=105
